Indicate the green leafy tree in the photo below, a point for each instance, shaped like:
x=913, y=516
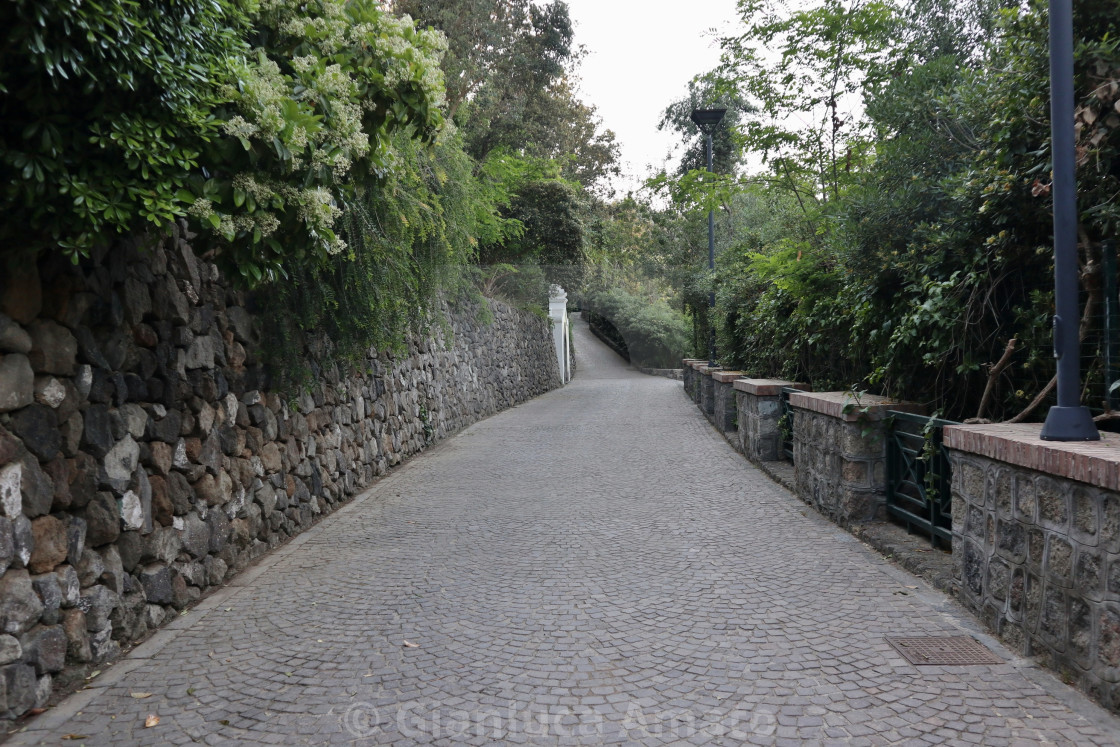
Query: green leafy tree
x=105, y=110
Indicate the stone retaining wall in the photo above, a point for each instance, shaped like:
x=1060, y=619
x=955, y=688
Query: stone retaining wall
x=1036, y=546
x=839, y=453
x=759, y=411
x=725, y=412
x=1036, y=524
x=143, y=459
x=690, y=375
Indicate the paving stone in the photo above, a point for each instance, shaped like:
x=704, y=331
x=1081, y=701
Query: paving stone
x=562, y=573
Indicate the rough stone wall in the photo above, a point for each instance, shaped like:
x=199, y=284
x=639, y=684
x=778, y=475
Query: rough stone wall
x=707, y=394
x=760, y=436
x=840, y=471
x=725, y=413
x=691, y=378
x=1038, y=559
x=143, y=459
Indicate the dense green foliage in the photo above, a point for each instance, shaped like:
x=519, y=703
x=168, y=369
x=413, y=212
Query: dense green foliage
x=105, y=110
x=314, y=143
x=256, y=120
x=653, y=333
x=894, y=230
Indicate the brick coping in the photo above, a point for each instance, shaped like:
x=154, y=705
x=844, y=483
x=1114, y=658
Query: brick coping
x=1092, y=462
x=833, y=404
x=767, y=387
x=726, y=377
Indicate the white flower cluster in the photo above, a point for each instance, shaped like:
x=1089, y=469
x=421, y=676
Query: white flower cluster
x=315, y=110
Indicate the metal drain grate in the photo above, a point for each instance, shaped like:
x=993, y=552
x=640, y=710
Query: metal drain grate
x=946, y=651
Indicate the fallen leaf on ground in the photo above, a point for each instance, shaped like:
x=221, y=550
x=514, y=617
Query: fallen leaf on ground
x=93, y=674
x=151, y=721
x=410, y=644
x=140, y=696
x=75, y=736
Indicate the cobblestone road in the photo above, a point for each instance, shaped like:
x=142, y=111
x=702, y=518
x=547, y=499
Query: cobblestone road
x=596, y=566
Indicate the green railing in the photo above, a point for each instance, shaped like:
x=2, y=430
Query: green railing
x=786, y=421
x=919, y=476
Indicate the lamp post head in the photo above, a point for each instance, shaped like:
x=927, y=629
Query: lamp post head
x=707, y=119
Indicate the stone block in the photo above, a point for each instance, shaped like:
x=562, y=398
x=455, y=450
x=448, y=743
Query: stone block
x=1087, y=575
x=77, y=637
x=69, y=585
x=54, y=349
x=44, y=647
x=162, y=545
x=1053, y=503
x=1110, y=522
x=36, y=488
x=20, y=606
x=973, y=569
x=1059, y=560
x=1011, y=540
x=23, y=542
x=98, y=602
x=1054, y=618
x=102, y=517
x=17, y=689
x=10, y=650
x=1108, y=649
x=1085, y=515
x=1002, y=491
x=50, y=593
x=50, y=544
x=37, y=426
x=999, y=579
x=1080, y=632
x=970, y=479
x=17, y=382
x=13, y=337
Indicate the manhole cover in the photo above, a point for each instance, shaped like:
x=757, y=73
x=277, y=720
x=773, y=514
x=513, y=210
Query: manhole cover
x=946, y=651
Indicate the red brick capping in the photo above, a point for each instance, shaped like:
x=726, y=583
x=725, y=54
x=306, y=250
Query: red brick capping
x=767, y=387
x=1093, y=462
x=833, y=403
x=726, y=377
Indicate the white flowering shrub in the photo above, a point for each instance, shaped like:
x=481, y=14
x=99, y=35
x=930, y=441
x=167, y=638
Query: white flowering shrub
x=307, y=128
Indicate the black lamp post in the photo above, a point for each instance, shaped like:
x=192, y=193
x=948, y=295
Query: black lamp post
x=707, y=120
x=1068, y=420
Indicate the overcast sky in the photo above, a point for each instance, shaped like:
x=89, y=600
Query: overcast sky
x=641, y=55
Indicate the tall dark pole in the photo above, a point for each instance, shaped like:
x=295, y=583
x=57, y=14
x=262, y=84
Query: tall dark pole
x=711, y=264
x=707, y=120
x=1068, y=420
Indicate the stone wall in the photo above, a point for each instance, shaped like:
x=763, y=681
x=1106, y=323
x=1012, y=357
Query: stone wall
x=143, y=459
x=759, y=413
x=690, y=375
x=725, y=412
x=840, y=453
x=1036, y=547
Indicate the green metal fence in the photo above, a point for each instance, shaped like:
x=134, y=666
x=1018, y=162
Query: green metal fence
x=919, y=476
x=786, y=421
